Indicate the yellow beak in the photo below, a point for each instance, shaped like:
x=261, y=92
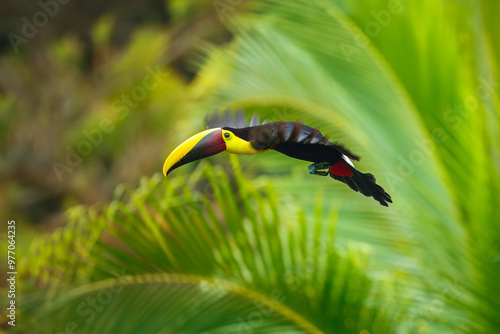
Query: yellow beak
x=199, y=146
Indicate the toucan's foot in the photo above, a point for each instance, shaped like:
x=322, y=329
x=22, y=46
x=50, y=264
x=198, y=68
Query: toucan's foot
x=316, y=168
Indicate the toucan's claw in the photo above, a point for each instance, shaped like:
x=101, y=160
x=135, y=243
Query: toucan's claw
x=315, y=168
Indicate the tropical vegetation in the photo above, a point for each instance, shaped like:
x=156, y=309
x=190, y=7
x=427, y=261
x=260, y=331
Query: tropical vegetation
x=255, y=244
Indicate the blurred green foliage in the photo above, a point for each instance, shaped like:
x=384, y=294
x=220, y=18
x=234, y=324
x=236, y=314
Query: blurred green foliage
x=260, y=246
x=241, y=245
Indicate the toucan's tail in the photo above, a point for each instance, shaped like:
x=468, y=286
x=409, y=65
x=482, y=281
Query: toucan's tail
x=364, y=183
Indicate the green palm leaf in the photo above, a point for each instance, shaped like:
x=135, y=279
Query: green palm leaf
x=167, y=303
x=163, y=236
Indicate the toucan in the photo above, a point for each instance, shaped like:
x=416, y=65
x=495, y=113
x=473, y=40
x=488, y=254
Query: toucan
x=294, y=139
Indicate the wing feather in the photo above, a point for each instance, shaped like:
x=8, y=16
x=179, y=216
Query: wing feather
x=278, y=134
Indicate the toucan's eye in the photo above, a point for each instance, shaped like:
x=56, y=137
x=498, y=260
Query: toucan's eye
x=227, y=135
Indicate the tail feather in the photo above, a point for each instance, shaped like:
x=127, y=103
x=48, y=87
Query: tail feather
x=365, y=184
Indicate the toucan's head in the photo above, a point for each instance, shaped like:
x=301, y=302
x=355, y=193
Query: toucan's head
x=207, y=143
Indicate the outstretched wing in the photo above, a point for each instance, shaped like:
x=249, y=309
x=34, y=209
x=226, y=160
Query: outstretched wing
x=298, y=141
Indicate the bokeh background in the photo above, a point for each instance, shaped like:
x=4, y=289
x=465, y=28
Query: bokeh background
x=94, y=96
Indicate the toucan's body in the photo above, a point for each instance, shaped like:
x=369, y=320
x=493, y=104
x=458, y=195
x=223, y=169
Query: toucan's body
x=290, y=138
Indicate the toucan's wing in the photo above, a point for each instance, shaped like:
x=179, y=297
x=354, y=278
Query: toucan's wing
x=296, y=140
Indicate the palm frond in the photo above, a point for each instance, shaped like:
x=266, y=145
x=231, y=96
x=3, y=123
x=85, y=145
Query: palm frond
x=229, y=230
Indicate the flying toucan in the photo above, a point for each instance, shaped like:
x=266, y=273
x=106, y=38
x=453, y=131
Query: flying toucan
x=299, y=141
